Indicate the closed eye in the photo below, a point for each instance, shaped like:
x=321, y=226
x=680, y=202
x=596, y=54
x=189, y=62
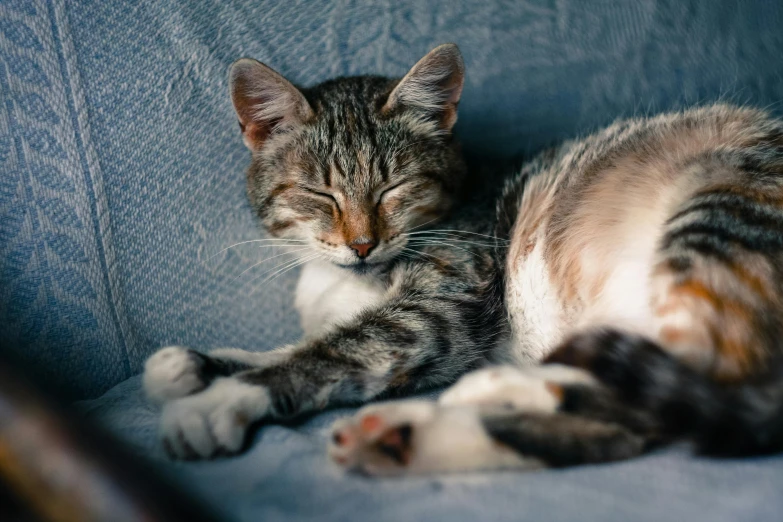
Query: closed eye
x=388, y=191
x=322, y=195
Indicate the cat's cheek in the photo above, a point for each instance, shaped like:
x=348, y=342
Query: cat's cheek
x=396, y=217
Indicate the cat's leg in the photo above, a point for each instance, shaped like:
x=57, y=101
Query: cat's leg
x=417, y=437
x=551, y=388
x=407, y=438
x=432, y=327
x=531, y=388
x=501, y=417
x=175, y=371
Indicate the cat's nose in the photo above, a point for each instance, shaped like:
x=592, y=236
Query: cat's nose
x=363, y=248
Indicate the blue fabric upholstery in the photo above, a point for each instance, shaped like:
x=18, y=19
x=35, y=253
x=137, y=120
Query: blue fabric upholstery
x=286, y=476
x=122, y=167
x=121, y=181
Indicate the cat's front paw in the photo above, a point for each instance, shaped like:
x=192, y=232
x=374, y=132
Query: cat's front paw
x=173, y=372
x=213, y=422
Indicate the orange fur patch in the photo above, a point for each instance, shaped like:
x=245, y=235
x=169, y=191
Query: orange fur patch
x=727, y=322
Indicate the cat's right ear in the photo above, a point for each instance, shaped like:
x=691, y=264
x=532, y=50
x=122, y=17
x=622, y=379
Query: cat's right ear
x=432, y=87
x=264, y=101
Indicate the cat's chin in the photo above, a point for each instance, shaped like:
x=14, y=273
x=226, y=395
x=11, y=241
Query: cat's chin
x=362, y=268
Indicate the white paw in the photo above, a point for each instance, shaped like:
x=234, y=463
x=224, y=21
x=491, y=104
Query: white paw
x=171, y=373
x=533, y=389
x=213, y=422
x=418, y=437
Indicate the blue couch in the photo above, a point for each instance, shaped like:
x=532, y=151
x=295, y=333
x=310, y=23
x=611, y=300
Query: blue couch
x=121, y=179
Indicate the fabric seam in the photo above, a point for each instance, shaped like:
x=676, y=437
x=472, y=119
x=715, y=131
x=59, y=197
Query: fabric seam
x=90, y=175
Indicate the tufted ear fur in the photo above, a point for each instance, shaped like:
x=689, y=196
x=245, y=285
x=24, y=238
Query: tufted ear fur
x=264, y=101
x=432, y=86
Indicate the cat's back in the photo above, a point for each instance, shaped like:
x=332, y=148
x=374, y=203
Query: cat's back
x=592, y=214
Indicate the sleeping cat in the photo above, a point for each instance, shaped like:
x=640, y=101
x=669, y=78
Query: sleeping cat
x=641, y=264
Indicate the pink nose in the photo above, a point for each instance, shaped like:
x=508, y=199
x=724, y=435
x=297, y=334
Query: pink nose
x=362, y=249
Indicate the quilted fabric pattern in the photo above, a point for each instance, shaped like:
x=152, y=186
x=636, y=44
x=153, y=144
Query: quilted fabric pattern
x=59, y=296
x=122, y=165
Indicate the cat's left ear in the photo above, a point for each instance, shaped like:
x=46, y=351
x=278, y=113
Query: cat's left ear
x=265, y=102
x=432, y=86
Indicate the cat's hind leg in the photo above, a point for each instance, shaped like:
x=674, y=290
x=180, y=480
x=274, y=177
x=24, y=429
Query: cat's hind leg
x=419, y=437
x=496, y=418
x=531, y=389
x=468, y=438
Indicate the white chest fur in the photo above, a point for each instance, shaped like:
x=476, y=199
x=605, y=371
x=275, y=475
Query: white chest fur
x=327, y=295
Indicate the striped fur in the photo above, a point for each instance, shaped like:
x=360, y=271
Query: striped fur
x=649, y=256
x=646, y=257
x=349, y=167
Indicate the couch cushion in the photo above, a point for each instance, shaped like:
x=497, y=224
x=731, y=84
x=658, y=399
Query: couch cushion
x=121, y=163
x=286, y=476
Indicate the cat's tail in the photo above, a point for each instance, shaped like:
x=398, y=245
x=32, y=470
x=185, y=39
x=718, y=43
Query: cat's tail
x=722, y=419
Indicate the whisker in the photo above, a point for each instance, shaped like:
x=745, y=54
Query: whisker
x=444, y=230
x=421, y=253
x=449, y=239
x=423, y=224
x=302, y=262
x=280, y=245
x=441, y=235
x=262, y=274
x=283, y=265
x=281, y=241
x=433, y=243
x=288, y=266
x=291, y=252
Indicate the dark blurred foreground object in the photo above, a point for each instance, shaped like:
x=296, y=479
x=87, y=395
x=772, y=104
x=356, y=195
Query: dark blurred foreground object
x=65, y=470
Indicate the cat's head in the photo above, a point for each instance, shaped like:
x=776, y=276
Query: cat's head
x=352, y=164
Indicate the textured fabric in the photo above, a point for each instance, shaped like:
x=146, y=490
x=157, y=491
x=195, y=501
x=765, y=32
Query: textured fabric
x=121, y=177
x=286, y=476
x=122, y=163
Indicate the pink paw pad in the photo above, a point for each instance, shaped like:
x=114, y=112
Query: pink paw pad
x=371, y=424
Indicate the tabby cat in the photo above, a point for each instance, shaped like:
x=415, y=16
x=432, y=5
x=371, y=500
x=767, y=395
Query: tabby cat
x=642, y=264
